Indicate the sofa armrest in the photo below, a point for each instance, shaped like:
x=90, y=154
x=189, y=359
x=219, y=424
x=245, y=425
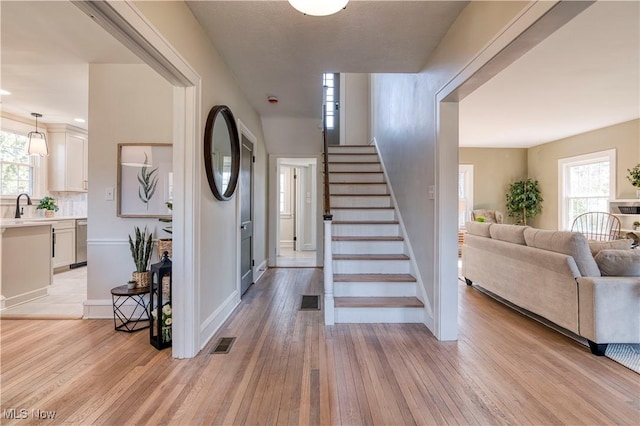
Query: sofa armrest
x=609, y=309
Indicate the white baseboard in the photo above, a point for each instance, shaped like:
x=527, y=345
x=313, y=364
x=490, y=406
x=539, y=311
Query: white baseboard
x=8, y=302
x=286, y=244
x=103, y=309
x=209, y=327
x=259, y=271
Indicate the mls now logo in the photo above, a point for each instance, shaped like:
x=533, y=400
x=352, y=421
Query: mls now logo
x=15, y=413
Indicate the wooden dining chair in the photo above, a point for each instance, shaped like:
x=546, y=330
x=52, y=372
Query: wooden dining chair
x=597, y=226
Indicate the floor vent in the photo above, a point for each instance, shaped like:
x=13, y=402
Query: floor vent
x=224, y=345
x=310, y=303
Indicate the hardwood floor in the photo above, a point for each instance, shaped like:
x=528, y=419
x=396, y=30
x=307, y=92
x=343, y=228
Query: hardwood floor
x=287, y=368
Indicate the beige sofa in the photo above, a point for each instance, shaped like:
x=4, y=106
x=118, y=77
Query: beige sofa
x=555, y=275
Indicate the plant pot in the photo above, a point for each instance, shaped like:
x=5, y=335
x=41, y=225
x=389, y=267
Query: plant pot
x=48, y=213
x=142, y=279
x=165, y=244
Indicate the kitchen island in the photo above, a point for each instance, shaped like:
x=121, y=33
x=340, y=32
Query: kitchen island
x=25, y=257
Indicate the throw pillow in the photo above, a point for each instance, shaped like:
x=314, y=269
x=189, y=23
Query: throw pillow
x=596, y=246
x=619, y=263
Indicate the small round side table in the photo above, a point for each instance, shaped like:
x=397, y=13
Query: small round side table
x=130, y=308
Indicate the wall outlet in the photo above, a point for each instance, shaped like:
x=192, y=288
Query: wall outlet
x=108, y=194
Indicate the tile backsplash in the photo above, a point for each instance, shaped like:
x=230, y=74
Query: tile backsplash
x=69, y=203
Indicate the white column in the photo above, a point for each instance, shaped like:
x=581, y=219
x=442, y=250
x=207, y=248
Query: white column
x=328, y=274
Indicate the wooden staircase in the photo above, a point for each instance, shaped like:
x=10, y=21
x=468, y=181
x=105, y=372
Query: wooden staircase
x=371, y=267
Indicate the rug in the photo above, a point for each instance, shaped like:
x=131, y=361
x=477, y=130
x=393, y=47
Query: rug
x=625, y=354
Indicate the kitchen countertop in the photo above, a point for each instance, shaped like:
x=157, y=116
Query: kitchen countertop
x=21, y=223
x=46, y=219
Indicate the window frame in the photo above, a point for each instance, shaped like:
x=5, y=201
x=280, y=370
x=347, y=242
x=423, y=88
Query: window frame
x=468, y=186
x=580, y=160
x=38, y=163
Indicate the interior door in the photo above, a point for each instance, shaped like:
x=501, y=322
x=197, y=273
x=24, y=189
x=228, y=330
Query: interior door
x=332, y=105
x=246, y=215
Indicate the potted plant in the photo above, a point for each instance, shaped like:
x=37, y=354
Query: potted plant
x=634, y=178
x=165, y=244
x=636, y=224
x=49, y=206
x=524, y=200
x=141, y=253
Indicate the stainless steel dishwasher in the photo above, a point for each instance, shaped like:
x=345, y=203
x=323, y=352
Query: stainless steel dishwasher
x=81, y=243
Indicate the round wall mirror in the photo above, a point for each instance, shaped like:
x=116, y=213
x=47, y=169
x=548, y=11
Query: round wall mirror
x=221, y=152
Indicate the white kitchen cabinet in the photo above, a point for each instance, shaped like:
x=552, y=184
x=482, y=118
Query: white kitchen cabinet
x=64, y=243
x=68, y=159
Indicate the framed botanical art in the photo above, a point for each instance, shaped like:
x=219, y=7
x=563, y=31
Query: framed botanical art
x=145, y=179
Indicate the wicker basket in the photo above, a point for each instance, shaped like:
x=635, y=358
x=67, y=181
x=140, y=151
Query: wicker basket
x=629, y=209
x=142, y=279
x=164, y=244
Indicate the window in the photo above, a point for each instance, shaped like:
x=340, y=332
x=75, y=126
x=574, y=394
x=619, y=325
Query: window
x=587, y=182
x=329, y=98
x=465, y=193
x=16, y=166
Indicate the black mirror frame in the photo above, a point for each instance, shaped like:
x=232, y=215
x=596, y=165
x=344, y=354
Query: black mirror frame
x=232, y=128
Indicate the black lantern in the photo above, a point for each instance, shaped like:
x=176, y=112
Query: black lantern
x=160, y=303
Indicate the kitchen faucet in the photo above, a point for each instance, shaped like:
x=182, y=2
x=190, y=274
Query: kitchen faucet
x=18, y=203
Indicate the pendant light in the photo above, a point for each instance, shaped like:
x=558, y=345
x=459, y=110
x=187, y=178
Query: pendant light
x=37, y=144
x=319, y=8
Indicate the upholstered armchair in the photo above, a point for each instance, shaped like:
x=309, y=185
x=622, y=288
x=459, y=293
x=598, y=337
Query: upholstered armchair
x=490, y=216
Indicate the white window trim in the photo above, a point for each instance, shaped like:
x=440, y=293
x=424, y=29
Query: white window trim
x=563, y=163
x=39, y=163
x=468, y=184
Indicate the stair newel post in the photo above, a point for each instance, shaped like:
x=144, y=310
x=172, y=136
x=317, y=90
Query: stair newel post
x=328, y=272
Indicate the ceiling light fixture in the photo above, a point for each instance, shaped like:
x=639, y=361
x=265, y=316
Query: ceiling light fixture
x=4, y=92
x=79, y=120
x=319, y=8
x=37, y=144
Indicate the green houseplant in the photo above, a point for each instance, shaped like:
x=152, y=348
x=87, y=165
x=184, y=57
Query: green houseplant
x=141, y=254
x=165, y=244
x=524, y=200
x=49, y=206
x=634, y=178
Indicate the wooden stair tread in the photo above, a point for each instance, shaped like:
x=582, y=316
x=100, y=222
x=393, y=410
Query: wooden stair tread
x=370, y=257
x=374, y=278
x=365, y=222
x=367, y=238
x=377, y=302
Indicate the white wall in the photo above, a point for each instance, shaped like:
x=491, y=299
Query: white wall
x=218, y=234
x=354, y=109
x=292, y=135
x=127, y=103
x=404, y=126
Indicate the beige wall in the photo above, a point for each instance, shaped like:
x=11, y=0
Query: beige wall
x=127, y=103
x=355, y=109
x=293, y=135
x=493, y=170
x=543, y=163
x=217, y=228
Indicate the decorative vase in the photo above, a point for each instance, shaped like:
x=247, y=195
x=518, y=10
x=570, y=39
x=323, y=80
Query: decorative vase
x=141, y=278
x=49, y=213
x=165, y=244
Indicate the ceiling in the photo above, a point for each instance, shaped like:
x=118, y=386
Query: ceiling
x=47, y=71
x=584, y=76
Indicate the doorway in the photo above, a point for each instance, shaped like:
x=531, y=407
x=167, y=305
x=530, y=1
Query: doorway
x=297, y=204
x=246, y=214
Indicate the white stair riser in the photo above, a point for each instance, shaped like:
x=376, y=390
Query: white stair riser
x=365, y=230
x=372, y=289
x=371, y=266
x=363, y=215
x=354, y=149
x=379, y=315
x=355, y=201
x=368, y=247
x=361, y=158
x=365, y=188
x=355, y=167
x=356, y=177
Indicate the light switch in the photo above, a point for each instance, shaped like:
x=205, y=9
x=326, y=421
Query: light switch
x=432, y=192
x=108, y=194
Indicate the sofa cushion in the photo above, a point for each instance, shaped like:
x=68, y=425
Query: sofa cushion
x=619, y=263
x=596, y=246
x=509, y=233
x=480, y=229
x=572, y=244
